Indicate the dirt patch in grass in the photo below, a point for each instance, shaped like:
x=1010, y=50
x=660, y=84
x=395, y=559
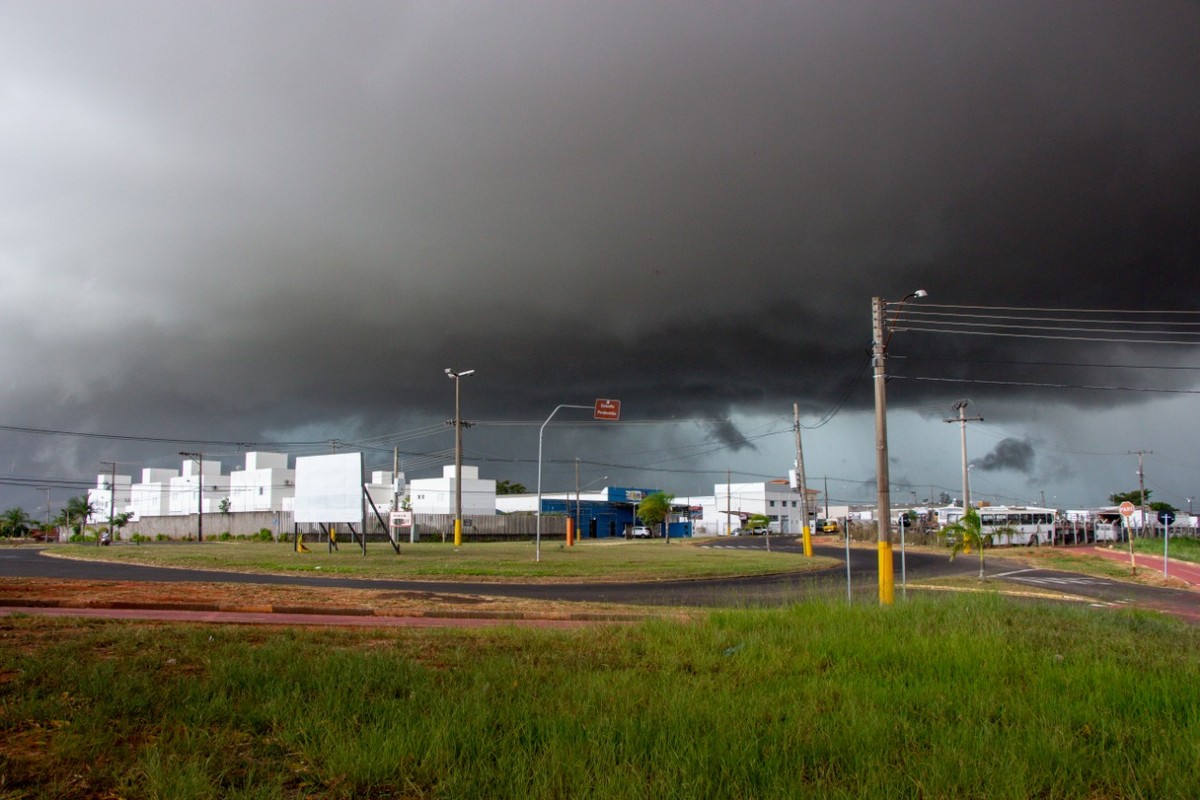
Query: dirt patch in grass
x=262, y=597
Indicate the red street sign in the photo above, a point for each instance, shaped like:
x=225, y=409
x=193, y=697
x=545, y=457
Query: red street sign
x=607, y=409
x=1126, y=509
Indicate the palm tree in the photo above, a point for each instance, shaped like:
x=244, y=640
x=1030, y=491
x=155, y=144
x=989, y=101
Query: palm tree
x=75, y=514
x=968, y=533
x=15, y=522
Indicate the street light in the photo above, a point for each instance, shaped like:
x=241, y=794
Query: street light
x=457, y=453
x=537, y=549
x=883, y=510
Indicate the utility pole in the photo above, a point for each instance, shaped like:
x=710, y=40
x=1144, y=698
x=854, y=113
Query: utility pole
x=961, y=406
x=199, y=494
x=883, y=504
x=576, y=497
x=883, y=500
x=458, y=426
x=112, y=499
x=728, y=503
x=46, y=489
x=1141, y=454
x=805, y=532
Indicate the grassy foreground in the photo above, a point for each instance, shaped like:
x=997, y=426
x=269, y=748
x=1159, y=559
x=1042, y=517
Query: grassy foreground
x=616, y=560
x=968, y=697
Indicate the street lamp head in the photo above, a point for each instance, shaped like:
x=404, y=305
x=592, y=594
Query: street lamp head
x=456, y=375
x=920, y=293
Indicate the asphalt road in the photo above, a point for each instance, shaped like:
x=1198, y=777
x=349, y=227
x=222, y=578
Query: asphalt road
x=773, y=589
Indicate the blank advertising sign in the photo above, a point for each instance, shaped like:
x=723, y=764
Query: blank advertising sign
x=329, y=488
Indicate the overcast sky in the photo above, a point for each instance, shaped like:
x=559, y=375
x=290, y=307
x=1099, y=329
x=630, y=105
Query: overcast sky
x=280, y=221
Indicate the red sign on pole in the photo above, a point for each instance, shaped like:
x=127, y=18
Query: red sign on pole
x=1126, y=509
x=607, y=409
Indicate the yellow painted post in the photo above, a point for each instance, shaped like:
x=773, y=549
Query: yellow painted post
x=570, y=532
x=887, y=577
x=457, y=532
x=807, y=541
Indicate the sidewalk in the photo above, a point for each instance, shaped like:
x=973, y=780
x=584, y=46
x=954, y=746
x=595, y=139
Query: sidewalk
x=1186, y=571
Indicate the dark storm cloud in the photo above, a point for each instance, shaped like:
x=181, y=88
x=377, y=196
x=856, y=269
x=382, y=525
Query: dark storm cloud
x=225, y=220
x=1012, y=454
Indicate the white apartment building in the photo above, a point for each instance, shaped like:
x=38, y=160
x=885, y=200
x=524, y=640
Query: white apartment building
x=436, y=495
x=150, y=496
x=263, y=485
x=101, y=497
x=182, y=491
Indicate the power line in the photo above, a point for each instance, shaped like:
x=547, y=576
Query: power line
x=1044, y=385
x=1044, y=363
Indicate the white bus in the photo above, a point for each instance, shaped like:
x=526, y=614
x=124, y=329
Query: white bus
x=1027, y=525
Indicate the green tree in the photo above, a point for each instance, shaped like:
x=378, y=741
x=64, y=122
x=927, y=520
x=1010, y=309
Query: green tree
x=1135, y=497
x=1159, y=505
x=510, y=487
x=968, y=534
x=654, y=510
x=15, y=522
x=757, y=521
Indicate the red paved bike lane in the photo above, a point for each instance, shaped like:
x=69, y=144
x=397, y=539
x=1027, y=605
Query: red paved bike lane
x=1185, y=571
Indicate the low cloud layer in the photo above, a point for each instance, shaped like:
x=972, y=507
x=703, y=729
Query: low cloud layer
x=224, y=222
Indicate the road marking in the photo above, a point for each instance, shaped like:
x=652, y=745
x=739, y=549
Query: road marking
x=1065, y=581
x=1015, y=572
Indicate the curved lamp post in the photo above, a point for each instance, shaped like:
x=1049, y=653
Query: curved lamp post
x=538, y=535
x=882, y=335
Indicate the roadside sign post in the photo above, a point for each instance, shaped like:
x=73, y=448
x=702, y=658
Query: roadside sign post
x=1166, y=518
x=1126, y=510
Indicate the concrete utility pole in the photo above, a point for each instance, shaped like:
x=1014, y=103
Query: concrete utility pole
x=806, y=533
x=1141, y=454
x=199, y=494
x=961, y=406
x=458, y=426
x=112, y=498
x=46, y=489
x=883, y=502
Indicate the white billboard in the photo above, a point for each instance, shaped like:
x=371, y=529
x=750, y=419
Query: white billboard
x=329, y=488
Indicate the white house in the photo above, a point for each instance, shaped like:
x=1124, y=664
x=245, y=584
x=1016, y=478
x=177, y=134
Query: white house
x=183, y=489
x=436, y=495
x=101, y=497
x=263, y=484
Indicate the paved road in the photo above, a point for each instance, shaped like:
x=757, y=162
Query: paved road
x=29, y=562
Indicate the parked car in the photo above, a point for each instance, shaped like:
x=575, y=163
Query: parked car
x=641, y=532
x=829, y=526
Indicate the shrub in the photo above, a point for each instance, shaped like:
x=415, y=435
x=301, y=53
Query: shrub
x=161, y=537
x=224, y=537
x=264, y=535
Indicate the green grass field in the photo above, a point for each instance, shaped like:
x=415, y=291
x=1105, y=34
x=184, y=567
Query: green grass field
x=617, y=560
x=935, y=698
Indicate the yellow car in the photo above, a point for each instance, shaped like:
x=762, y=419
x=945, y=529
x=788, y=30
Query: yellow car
x=828, y=526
